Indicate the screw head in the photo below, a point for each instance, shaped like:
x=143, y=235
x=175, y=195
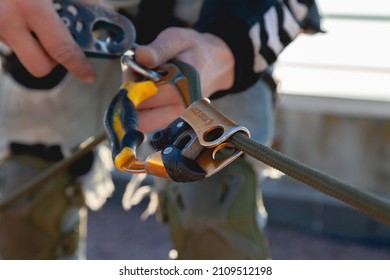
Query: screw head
x=168, y=150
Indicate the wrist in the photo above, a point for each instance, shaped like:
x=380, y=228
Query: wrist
x=235, y=34
x=224, y=60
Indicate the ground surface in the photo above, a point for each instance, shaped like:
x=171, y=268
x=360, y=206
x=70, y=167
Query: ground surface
x=115, y=234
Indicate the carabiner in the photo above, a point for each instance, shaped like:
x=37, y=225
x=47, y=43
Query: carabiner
x=193, y=147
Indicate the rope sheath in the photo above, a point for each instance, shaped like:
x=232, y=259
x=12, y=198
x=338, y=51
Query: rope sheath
x=366, y=202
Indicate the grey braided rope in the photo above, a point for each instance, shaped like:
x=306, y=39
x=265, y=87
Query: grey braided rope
x=366, y=202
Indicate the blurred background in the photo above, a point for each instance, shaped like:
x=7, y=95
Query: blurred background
x=333, y=113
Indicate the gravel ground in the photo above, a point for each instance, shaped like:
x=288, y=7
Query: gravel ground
x=115, y=234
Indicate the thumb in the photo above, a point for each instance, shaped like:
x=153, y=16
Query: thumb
x=168, y=45
x=148, y=56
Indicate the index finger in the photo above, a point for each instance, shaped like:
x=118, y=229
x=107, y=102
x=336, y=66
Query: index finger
x=58, y=42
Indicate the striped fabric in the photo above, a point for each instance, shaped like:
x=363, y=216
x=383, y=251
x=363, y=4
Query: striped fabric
x=257, y=31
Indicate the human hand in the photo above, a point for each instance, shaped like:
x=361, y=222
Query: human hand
x=51, y=43
x=210, y=56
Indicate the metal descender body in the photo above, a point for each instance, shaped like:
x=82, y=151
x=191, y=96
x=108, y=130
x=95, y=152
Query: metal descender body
x=192, y=147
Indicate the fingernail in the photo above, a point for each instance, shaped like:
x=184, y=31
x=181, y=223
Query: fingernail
x=147, y=56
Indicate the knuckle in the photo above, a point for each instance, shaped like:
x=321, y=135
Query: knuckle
x=28, y=7
x=7, y=17
x=177, y=32
x=63, y=54
x=4, y=18
x=171, y=31
x=72, y=58
x=161, y=50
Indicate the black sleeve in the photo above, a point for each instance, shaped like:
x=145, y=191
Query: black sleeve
x=256, y=31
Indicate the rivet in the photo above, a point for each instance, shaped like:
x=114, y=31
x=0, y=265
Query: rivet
x=168, y=150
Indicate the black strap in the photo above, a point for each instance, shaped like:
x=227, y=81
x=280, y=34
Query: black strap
x=14, y=67
x=50, y=153
x=53, y=153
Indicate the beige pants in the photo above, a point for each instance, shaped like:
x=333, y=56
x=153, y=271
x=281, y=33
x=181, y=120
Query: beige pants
x=44, y=223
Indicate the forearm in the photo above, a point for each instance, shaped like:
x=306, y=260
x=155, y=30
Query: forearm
x=256, y=32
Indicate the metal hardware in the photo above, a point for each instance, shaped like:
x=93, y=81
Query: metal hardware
x=196, y=146
x=98, y=31
x=128, y=61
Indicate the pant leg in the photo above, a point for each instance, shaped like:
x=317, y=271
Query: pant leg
x=222, y=217
x=45, y=223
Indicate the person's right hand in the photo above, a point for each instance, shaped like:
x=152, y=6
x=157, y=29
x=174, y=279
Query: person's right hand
x=52, y=43
x=207, y=53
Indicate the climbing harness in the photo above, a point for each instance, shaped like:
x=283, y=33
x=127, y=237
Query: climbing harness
x=197, y=144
